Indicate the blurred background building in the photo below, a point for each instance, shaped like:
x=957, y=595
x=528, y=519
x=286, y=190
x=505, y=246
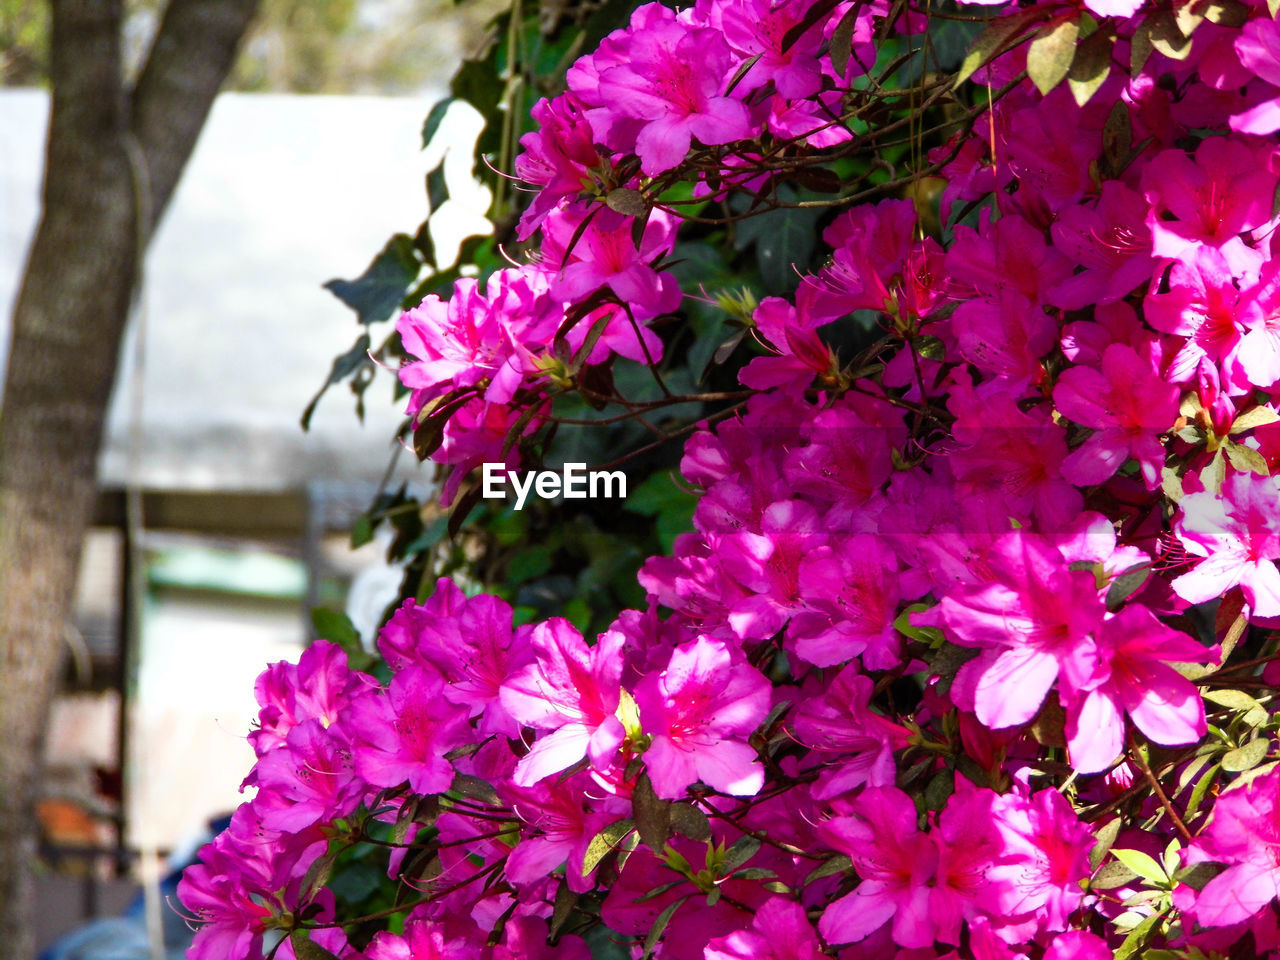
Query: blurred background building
x=244, y=517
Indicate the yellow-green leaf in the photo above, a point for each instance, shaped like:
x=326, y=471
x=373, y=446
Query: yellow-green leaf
x=1246, y=757
x=1091, y=65
x=993, y=40
x=1253, y=418
x=1051, y=52
x=1140, y=863
x=604, y=842
x=1246, y=459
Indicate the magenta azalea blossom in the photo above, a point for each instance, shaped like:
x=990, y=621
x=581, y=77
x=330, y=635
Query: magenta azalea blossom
x=674, y=79
x=856, y=743
x=897, y=864
x=1128, y=405
x=405, y=734
x=1243, y=834
x=1258, y=47
x=699, y=711
x=1135, y=650
x=1237, y=532
x=779, y=931
x=572, y=691
x=1033, y=618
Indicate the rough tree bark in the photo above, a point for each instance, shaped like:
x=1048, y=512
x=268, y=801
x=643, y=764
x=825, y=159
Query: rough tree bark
x=114, y=157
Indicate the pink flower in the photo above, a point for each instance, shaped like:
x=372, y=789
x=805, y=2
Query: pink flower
x=477, y=339
x=1260, y=313
x=897, y=864
x=800, y=354
x=469, y=641
x=1204, y=306
x=1135, y=650
x=1046, y=857
x=1238, y=533
x=968, y=847
x=779, y=931
x=1208, y=201
x=1078, y=945
x=314, y=772
x=1244, y=833
x=673, y=78
x=1110, y=240
x=699, y=712
x=559, y=827
x=1015, y=455
x=852, y=591
x=756, y=28
x=855, y=742
x=557, y=158
x=572, y=691
x=1258, y=46
x=1033, y=618
x=422, y=940
x=603, y=254
x=405, y=734
x=768, y=565
x=1128, y=405
x=1004, y=336
x=525, y=938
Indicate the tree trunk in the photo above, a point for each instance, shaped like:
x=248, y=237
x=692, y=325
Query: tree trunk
x=113, y=160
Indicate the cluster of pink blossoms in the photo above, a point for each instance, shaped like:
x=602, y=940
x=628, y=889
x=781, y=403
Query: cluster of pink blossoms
x=1064, y=448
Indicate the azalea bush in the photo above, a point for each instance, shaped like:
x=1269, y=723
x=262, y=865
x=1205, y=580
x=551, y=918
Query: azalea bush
x=963, y=323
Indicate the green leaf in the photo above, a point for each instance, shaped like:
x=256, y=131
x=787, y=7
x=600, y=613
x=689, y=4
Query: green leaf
x=652, y=815
x=1127, y=584
x=940, y=789
x=1215, y=473
x=1141, y=864
x=1255, y=714
x=343, y=367
x=994, y=40
x=1253, y=418
x=474, y=788
x=1090, y=66
x=304, y=948
x=742, y=850
x=1246, y=459
x=336, y=626
x=1163, y=34
x=1112, y=875
x=833, y=865
x=661, y=496
x=1246, y=757
x=628, y=202
x=566, y=900
x=841, y=46
x=660, y=925
x=784, y=240
x=1051, y=52
x=1104, y=838
x=437, y=188
x=1198, y=874
x=691, y=822
x=754, y=873
x=604, y=842
x=1200, y=790
x=377, y=292
x=361, y=531
x=528, y=564
x=434, y=118
x=1137, y=938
